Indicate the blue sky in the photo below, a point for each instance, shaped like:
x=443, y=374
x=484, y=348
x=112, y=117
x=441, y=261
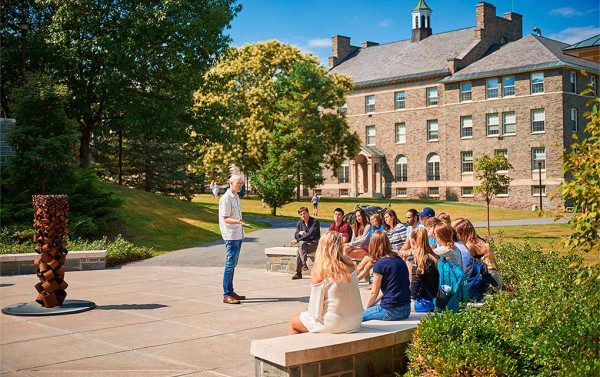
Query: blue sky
x=310, y=24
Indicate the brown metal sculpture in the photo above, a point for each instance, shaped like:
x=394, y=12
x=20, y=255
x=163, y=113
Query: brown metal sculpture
x=50, y=219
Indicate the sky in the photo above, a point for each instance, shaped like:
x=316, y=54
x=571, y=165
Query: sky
x=310, y=24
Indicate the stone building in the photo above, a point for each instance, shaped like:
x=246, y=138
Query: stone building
x=425, y=108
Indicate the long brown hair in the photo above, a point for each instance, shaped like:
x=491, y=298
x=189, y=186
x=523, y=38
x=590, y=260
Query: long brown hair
x=444, y=234
x=421, y=249
x=379, y=246
x=392, y=213
x=477, y=246
x=330, y=261
x=360, y=229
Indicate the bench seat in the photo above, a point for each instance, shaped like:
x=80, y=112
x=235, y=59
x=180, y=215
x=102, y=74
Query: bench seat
x=21, y=264
x=378, y=346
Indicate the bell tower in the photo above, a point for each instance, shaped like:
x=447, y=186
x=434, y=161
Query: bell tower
x=421, y=22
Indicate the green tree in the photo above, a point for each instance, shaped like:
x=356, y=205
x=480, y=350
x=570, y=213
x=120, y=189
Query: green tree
x=122, y=59
x=492, y=182
x=269, y=104
x=582, y=185
x=274, y=185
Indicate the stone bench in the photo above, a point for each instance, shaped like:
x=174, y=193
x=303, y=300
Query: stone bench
x=283, y=259
x=377, y=349
x=21, y=264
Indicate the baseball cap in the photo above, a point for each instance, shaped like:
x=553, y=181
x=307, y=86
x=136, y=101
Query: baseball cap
x=427, y=212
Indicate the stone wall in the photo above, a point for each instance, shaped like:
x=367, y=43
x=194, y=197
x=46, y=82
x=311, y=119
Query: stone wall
x=22, y=264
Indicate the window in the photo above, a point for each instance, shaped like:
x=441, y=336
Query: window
x=573, y=81
x=401, y=191
x=400, y=133
x=538, y=120
x=503, y=192
x=466, y=162
x=433, y=192
x=491, y=88
x=344, y=192
x=370, y=135
x=432, y=130
x=318, y=192
x=369, y=104
x=466, y=192
x=537, y=82
x=466, y=126
x=492, y=125
x=535, y=190
x=466, y=90
x=574, y=120
x=401, y=169
x=400, y=100
x=343, y=110
x=509, y=123
x=538, y=155
x=344, y=174
x=508, y=86
x=503, y=152
x=432, y=96
x=433, y=167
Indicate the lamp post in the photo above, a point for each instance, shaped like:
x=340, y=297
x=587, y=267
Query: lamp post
x=24, y=26
x=540, y=175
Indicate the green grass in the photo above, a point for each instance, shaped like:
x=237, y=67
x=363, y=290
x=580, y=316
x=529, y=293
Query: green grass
x=167, y=224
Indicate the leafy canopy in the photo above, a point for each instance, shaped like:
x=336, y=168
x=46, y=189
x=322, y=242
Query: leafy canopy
x=487, y=169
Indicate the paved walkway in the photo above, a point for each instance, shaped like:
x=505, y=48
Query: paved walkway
x=159, y=317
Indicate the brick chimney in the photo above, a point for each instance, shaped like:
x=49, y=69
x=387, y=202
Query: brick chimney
x=340, y=49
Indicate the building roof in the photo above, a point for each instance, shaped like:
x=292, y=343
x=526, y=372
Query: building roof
x=372, y=151
x=588, y=49
x=405, y=60
x=526, y=54
x=422, y=5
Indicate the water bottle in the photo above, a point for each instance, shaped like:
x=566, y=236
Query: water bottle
x=446, y=288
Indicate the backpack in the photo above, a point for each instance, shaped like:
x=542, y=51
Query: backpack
x=478, y=279
x=452, y=288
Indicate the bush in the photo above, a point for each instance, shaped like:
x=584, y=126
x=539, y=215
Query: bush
x=17, y=241
x=545, y=323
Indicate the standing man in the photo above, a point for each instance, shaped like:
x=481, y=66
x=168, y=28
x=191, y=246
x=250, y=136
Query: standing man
x=340, y=226
x=315, y=203
x=308, y=232
x=230, y=224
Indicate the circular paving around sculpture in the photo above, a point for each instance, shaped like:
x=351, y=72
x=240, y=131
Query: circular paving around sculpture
x=34, y=309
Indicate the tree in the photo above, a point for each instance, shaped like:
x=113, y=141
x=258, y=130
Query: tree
x=269, y=104
x=492, y=182
x=124, y=58
x=274, y=185
x=582, y=185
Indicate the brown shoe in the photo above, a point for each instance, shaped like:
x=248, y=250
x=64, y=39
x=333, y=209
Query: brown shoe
x=230, y=300
x=238, y=297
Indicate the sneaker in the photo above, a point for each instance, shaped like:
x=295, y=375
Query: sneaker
x=297, y=276
x=238, y=297
x=230, y=300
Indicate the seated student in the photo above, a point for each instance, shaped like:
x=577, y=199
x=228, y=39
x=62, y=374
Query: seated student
x=308, y=232
x=467, y=259
x=424, y=273
x=366, y=263
x=340, y=225
x=359, y=244
x=412, y=223
x=443, y=234
x=389, y=299
x=335, y=305
x=394, y=229
x=478, y=248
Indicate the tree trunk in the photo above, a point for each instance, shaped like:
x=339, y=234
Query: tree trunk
x=84, y=148
x=120, y=158
x=298, y=188
x=488, y=219
x=274, y=211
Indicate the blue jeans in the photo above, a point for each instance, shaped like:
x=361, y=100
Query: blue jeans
x=394, y=314
x=232, y=247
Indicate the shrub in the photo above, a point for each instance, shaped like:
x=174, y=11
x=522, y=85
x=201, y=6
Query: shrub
x=544, y=324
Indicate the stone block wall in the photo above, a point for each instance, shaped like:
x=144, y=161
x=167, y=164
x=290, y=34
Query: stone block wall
x=22, y=264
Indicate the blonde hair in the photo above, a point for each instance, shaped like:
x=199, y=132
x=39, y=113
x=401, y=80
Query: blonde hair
x=330, y=262
x=477, y=246
x=421, y=249
x=379, y=246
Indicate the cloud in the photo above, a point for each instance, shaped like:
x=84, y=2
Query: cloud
x=384, y=23
x=570, y=12
x=319, y=42
x=575, y=34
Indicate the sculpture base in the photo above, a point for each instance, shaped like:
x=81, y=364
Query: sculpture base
x=35, y=309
